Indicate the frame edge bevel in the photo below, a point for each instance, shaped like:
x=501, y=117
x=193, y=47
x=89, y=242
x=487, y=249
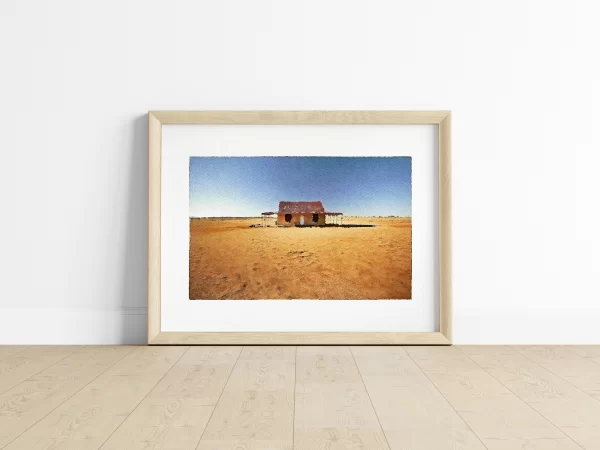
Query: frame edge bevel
x=445, y=224
x=154, y=219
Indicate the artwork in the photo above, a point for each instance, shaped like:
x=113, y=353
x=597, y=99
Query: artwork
x=306, y=228
x=299, y=228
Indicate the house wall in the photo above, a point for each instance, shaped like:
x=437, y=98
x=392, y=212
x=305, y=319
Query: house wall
x=296, y=220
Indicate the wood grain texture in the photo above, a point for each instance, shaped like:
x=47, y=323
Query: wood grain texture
x=175, y=413
x=88, y=418
x=362, y=397
x=299, y=117
x=25, y=404
x=576, y=413
x=256, y=408
x=500, y=419
x=154, y=225
x=8, y=350
x=17, y=367
x=445, y=224
x=311, y=338
x=333, y=409
x=412, y=412
x=578, y=371
x=441, y=118
x=590, y=352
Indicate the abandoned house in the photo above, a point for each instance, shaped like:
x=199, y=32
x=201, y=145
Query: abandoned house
x=300, y=214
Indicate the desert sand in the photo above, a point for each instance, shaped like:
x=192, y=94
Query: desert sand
x=230, y=260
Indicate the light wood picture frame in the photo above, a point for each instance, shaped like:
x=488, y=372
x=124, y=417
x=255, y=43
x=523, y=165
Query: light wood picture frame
x=156, y=119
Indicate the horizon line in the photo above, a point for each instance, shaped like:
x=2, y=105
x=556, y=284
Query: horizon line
x=259, y=216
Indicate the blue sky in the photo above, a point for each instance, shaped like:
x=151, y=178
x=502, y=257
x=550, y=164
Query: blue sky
x=356, y=186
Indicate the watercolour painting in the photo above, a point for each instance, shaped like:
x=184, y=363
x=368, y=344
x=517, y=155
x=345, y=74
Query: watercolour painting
x=300, y=228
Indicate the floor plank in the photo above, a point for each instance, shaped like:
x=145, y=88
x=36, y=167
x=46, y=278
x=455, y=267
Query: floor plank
x=7, y=350
x=573, y=411
x=330, y=398
x=255, y=411
x=17, y=367
x=88, y=418
x=578, y=371
x=333, y=409
x=25, y=404
x=412, y=412
x=176, y=411
x=497, y=416
x=590, y=352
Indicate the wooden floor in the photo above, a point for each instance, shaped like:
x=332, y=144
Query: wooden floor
x=313, y=398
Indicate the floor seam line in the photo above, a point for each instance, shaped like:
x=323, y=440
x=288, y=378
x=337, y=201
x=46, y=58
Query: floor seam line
x=444, y=397
x=294, y=398
x=16, y=353
x=523, y=400
x=70, y=397
x=369, y=397
x=566, y=347
x=40, y=371
x=220, y=395
x=140, y=402
x=553, y=373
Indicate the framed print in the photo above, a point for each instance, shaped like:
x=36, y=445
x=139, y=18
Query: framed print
x=299, y=227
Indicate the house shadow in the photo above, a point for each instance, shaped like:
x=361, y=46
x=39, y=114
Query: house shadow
x=351, y=225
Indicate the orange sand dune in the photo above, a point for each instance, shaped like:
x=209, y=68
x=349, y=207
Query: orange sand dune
x=229, y=260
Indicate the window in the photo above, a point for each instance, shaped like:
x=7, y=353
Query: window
x=315, y=218
x=288, y=218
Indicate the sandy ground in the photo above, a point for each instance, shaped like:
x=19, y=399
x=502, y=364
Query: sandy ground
x=229, y=260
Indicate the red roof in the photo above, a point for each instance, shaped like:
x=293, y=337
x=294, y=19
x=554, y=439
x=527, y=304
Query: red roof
x=301, y=208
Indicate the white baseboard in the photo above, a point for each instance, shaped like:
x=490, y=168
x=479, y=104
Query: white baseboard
x=128, y=325
x=74, y=326
x=526, y=326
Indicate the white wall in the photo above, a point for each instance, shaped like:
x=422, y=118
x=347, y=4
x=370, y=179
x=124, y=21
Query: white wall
x=521, y=77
